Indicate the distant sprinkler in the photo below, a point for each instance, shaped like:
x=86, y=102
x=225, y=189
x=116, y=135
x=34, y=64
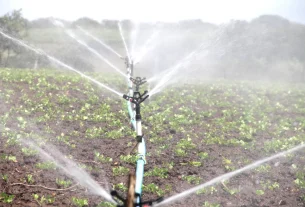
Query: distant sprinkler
x=129, y=65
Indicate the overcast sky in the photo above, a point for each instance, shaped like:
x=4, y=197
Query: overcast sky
x=214, y=11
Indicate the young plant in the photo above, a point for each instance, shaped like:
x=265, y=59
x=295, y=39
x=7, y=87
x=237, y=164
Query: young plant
x=158, y=172
x=4, y=177
x=207, y=204
x=80, y=202
x=121, y=187
x=41, y=200
x=153, y=188
x=6, y=198
x=30, y=179
x=259, y=192
x=63, y=183
x=46, y=165
x=102, y=158
x=191, y=179
x=120, y=171
x=28, y=151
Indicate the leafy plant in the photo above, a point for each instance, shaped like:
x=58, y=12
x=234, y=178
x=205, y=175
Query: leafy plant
x=43, y=199
x=80, y=202
x=102, y=158
x=207, y=204
x=120, y=186
x=30, y=179
x=63, y=183
x=153, y=188
x=192, y=179
x=27, y=151
x=6, y=198
x=259, y=192
x=46, y=165
x=119, y=171
x=158, y=172
x=4, y=177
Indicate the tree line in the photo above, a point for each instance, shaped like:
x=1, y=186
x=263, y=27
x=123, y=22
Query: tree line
x=269, y=47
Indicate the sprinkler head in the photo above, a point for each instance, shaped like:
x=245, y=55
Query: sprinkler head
x=137, y=98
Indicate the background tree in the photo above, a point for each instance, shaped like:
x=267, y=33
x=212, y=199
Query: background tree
x=15, y=25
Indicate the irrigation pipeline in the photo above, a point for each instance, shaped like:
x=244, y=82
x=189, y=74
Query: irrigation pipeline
x=134, y=98
x=130, y=106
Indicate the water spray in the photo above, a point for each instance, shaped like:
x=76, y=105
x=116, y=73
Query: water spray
x=146, y=47
x=124, y=42
x=70, y=168
x=227, y=176
x=94, y=52
x=53, y=59
x=99, y=41
x=73, y=36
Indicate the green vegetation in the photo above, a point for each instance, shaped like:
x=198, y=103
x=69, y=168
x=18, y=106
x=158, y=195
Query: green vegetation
x=42, y=200
x=63, y=183
x=119, y=171
x=216, y=128
x=6, y=198
x=80, y=202
x=46, y=165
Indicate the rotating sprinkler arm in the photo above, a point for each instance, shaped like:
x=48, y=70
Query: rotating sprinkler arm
x=138, y=81
x=137, y=99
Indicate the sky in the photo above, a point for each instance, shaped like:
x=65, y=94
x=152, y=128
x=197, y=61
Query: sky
x=213, y=11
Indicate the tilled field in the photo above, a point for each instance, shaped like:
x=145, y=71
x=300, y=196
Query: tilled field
x=194, y=133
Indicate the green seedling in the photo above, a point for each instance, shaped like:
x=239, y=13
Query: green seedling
x=129, y=158
x=208, y=191
x=79, y=202
x=158, y=172
x=228, y=164
x=153, y=188
x=180, y=152
x=63, y=183
x=121, y=187
x=300, y=180
x=102, y=158
x=195, y=163
x=8, y=158
x=41, y=200
x=120, y=171
x=203, y=155
x=30, y=179
x=46, y=165
x=4, y=177
x=259, y=192
x=28, y=151
x=263, y=168
x=6, y=198
x=208, y=204
x=192, y=179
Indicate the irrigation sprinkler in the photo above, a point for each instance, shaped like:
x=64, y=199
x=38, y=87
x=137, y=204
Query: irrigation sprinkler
x=129, y=65
x=135, y=181
x=137, y=82
x=134, y=99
